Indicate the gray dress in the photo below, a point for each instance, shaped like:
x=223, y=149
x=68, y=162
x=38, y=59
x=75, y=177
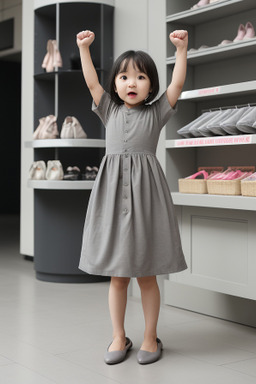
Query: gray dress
x=130, y=228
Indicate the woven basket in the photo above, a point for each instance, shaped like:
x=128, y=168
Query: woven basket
x=192, y=186
x=248, y=188
x=224, y=187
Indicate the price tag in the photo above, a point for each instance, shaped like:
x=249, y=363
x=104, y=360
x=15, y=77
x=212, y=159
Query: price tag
x=211, y=141
x=208, y=91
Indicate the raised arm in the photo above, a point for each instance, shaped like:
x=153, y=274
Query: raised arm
x=180, y=40
x=84, y=39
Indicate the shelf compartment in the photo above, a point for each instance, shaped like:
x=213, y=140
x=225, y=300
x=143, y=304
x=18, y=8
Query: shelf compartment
x=216, y=53
x=60, y=184
x=66, y=143
x=231, y=90
x=61, y=72
x=214, y=201
x=212, y=141
x=211, y=12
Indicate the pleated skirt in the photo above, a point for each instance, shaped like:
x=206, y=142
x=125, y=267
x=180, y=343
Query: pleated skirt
x=130, y=227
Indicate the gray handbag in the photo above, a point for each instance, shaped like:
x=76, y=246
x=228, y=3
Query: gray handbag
x=247, y=122
x=229, y=124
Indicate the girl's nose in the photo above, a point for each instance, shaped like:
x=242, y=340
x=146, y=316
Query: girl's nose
x=132, y=83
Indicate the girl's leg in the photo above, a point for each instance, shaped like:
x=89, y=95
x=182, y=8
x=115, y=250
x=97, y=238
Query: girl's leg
x=117, y=306
x=150, y=297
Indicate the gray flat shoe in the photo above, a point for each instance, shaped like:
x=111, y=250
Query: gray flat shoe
x=115, y=357
x=145, y=357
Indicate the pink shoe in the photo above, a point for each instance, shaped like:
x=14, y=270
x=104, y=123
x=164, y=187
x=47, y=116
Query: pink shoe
x=52, y=58
x=234, y=175
x=221, y=175
x=215, y=176
x=225, y=42
x=250, y=32
x=201, y=3
x=57, y=59
x=245, y=175
x=240, y=33
x=251, y=177
x=228, y=176
x=198, y=175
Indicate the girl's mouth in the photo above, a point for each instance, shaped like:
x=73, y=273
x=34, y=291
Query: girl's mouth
x=132, y=94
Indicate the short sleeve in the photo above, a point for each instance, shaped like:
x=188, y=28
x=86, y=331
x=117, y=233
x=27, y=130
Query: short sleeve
x=104, y=108
x=164, y=110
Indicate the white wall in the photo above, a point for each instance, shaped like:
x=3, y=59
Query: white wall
x=27, y=197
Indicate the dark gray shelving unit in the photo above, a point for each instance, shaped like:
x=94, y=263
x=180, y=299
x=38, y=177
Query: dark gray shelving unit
x=60, y=207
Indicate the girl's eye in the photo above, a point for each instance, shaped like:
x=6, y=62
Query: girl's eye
x=141, y=77
x=123, y=77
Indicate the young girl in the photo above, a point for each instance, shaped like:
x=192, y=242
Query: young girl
x=130, y=227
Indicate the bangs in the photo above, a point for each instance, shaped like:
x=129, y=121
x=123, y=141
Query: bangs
x=137, y=64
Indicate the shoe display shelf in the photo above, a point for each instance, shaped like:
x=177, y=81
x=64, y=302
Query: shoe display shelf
x=217, y=10
x=63, y=143
x=60, y=205
x=218, y=231
x=211, y=54
x=61, y=184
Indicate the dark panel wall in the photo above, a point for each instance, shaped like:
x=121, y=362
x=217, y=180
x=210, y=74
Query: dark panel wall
x=10, y=123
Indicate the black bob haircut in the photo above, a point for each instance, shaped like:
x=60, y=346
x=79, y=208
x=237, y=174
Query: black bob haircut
x=144, y=63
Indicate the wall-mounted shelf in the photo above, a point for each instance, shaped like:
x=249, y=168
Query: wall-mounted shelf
x=235, y=89
x=211, y=141
x=210, y=12
x=66, y=143
x=60, y=72
x=60, y=184
x=215, y=201
x=220, y=52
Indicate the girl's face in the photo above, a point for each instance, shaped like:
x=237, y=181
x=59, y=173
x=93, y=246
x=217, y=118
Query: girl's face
x=132, y=86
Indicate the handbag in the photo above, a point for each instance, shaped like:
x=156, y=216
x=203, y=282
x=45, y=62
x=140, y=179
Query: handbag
x=47, y=128
x=54, y=170
x=72, y=129
x=37, y=170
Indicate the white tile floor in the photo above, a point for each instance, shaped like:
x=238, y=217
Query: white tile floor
x=57, y=333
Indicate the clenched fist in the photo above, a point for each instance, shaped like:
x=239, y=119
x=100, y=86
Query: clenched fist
x=179, y=38
x=85, y=38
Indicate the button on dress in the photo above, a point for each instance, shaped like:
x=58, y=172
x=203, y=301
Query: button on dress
x=130, y=227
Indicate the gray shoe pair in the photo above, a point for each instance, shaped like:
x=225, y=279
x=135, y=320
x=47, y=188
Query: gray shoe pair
x=145, y=357
x=115, y=357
